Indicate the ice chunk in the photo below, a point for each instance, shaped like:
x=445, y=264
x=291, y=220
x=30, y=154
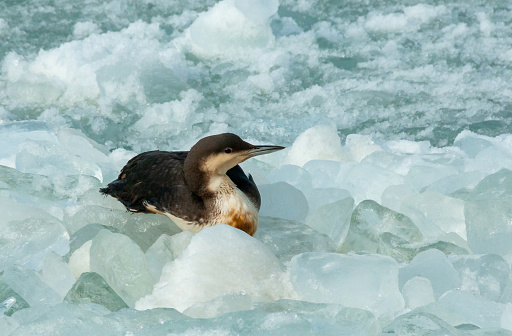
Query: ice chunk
x=84, y=29
x=370, y=221
x=287, y=238
x=10, y=301
x=320, y=142
x=7, y=324
x=87, y=233
x=322, y=172
x=258, y=11
x=488, y=214
x=453, y=183
x=402, y=250
x=165, y=249
x=169, y=118
x=435, y=214
x=433, y=265
x=360, y=281
x=460, y=307
x=282, y=200
x=283, y=317
x=87, y=149
x=418, y=292
x=333, y=219
x=232, y=26
x=365, y=181
x=71, y=72
x=412, y=18
x=420, y=323
x=29, y=285
x=15, y=133
x=291, y=317
x=394, y=162
x=166, y=81
x=358, y=146
x=42, y=188
x=57, y=274
x=472, y=143
x=486, y=274
x=491, y=160
x=219, y=260
x=322, y=196
x=506, y=318
x=421, y=176
x=49, y=159
x=219, y=306
x=91, y=287
x=83, y=147
x=294, y=175
x=67, y=319
x=262, y=82
x=393, y=196
x=144, y=229
x=146, y=322
x=27, y=234
x=123, y=265
x=80, y=260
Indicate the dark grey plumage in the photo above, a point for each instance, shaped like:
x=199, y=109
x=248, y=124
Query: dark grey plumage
x=177, y=183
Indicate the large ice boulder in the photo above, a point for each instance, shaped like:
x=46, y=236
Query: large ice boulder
x=92, y=288
x=166, y=248
x=434, y=266
x=486, y=274
x=219, y=260
x=283, y=200
x=232, y=26
x=286, y=238
x=320, y=142
x=27, y=234
x=488, y=214
x=333, y=219
x=122, y=264
x=371, y=223
x=367, y=282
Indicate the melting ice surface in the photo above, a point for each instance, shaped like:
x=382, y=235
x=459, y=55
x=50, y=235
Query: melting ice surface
x=389, y=212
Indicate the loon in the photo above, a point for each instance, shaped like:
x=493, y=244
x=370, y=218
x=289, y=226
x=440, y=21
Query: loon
x=202, y=187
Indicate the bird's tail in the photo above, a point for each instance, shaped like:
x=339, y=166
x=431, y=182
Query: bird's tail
x=113, y=188
x=106, y=191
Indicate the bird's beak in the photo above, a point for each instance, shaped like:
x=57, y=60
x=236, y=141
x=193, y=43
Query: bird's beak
x=260, y=150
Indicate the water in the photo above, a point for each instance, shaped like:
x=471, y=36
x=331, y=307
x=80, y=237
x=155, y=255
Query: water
x=397, y=119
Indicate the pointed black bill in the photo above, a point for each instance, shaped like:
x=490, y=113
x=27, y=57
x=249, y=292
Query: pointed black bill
x=260, y=150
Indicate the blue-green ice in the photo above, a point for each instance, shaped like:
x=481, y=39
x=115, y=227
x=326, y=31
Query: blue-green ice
x=390, y=211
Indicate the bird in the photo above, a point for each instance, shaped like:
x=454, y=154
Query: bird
x=195, y=189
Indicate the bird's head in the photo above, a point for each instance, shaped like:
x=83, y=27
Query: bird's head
x=216, y=154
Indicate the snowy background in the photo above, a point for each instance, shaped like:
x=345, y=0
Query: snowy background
x=390, y=211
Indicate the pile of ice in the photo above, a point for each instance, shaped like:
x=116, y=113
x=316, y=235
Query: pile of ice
x=166, y=73
x=389, y=212
x=358, y=238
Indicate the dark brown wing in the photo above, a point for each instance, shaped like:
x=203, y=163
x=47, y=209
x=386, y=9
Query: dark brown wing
x=156, y=178
x=245, y=184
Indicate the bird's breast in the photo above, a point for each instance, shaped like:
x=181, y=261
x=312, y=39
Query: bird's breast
x=237, y=210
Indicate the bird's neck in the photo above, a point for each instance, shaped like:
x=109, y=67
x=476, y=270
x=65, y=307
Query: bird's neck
x=220, y=184
x=207, y=184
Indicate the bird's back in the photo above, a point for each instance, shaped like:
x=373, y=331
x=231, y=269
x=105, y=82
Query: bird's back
x=157, y=179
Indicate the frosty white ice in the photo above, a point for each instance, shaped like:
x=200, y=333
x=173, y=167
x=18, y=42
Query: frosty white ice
x=390, y=210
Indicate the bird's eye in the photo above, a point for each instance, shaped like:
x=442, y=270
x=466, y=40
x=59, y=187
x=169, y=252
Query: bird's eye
x=228, y=150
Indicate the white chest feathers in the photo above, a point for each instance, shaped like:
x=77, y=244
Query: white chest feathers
x=237, y=210
x=231, y=207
